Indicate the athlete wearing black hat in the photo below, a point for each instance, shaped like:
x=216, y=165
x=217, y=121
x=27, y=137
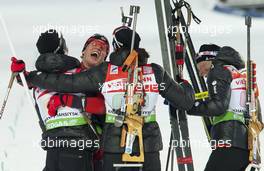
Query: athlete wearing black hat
x=226, y=83
x=70, y=141
x=107, y=78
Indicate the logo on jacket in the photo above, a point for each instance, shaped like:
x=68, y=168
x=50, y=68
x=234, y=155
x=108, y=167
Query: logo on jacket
x=147, y=70
x=114, y=69
x=214, y=86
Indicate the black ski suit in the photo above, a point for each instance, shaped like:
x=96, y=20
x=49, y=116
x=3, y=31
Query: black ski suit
x=234, y=158
x=180, y=96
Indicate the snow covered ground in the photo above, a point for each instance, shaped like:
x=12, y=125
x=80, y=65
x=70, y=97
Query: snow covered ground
x=19, y=129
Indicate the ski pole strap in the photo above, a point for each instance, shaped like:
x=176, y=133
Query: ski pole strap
x=196, y=19
x=201, y=95
x=130, y=60
x=110, y=118
x=190, y=14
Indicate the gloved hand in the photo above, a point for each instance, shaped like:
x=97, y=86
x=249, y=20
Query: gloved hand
x=17, y=65
x=53, y=104
x=94, y=105
x=59, y=100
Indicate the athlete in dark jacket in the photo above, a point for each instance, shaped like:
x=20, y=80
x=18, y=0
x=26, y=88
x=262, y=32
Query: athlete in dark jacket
x=226, y=105
x=67, y=137
x=94, y=80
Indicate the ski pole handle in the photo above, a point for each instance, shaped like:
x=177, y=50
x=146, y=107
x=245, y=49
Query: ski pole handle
x=248, y=21
x=11, y=81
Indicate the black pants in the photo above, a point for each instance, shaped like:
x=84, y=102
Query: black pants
x=151, y=163
x=63, y=159
x=228, y=159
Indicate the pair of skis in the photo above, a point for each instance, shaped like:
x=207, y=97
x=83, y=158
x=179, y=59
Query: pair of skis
x=177, y=49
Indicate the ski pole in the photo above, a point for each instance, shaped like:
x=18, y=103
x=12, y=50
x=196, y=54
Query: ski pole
x=21, y=74
x=169, y=153
x=249, y=86
x=11, y=81
x=25, y=85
